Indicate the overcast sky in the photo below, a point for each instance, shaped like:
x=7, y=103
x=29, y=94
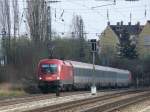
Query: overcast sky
x=95, y=20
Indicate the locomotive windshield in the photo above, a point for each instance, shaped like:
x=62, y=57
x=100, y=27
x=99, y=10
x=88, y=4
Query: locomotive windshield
x=49, y=68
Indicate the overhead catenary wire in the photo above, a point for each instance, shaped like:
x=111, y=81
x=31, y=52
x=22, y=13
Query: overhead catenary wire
x=139, y=8
x=93, y=10
x=102, y=15
x=90, y=9
x=84, y=9
x=65, y=24
x=83, y=5
x=102, y=8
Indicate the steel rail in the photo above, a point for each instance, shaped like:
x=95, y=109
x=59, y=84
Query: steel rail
x=126, y=104
x=116, y=106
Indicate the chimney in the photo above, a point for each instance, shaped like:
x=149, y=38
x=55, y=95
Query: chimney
x=138, y=23
x=138, y=27
x=118, y=23
x=121, y=23
x=129, y=23
x=108, y=23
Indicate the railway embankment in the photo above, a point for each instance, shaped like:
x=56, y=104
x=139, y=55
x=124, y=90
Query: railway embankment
x=42, y=101
x=70, y=100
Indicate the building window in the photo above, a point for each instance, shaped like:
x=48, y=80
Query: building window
x=147, y=40
x=2, y=61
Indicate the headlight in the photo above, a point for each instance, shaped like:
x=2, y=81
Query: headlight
x=40, y=78
x=58, y=78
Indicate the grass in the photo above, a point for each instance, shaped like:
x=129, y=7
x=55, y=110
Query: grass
x=11, y=93
x=9, y=90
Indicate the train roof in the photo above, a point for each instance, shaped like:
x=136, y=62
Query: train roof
x=86, y=65
x=48, y=60
x=97, y=67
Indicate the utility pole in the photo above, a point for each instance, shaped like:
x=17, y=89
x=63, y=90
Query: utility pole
x=49, y=18
x=49, y=26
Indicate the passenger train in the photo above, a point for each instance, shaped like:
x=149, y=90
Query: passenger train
x=77, y=75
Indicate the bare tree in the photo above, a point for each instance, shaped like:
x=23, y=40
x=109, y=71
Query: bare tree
x=5, y=21
x=2, y=16
x=76, y=26
x=5, y=16
x=37, y=19
x=78, y=32
x=15, y=17
x=8, y=20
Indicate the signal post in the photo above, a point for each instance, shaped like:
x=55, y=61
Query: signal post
x=94, y=50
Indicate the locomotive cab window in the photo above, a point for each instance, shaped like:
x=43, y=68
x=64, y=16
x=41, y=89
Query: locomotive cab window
x=49, y=68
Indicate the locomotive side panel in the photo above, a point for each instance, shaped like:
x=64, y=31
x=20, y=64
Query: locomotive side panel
x=122, y=79
x=82, y=77
x=66, y=74
x=103, y=76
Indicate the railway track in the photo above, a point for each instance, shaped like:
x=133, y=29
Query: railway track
x=67, y=101
x=40, y=101
x=116, y=106
x=106, y=103
x=36, y=97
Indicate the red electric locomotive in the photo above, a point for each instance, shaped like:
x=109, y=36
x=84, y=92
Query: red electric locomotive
x=54, y=72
